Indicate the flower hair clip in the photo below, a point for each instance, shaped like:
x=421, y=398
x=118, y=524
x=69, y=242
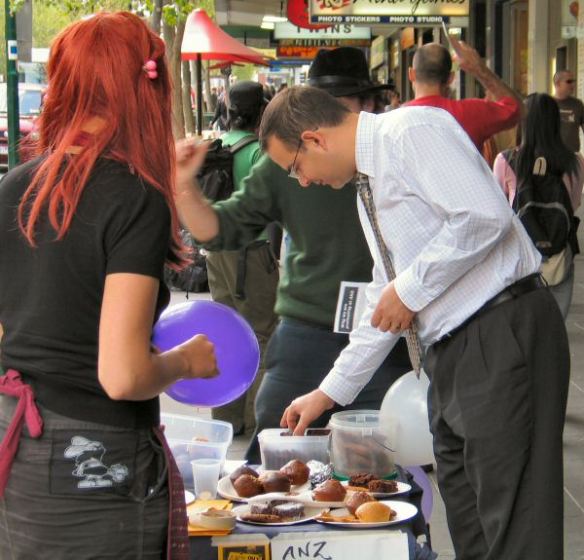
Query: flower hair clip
x=150, y=69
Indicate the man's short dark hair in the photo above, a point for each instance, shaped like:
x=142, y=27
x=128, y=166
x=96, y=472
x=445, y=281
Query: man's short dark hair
x=296, y=109
x=433, y=64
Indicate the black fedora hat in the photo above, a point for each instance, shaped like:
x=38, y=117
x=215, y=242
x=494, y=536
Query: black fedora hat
x=342, y=72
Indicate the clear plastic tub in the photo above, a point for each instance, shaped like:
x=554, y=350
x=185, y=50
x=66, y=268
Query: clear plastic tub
x=196, y=438
x=357, y=445
x=278, y=446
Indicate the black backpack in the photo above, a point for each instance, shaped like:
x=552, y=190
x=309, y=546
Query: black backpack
x=216, y=175
x=216, y=181
x=543, y=205
x=193, y=278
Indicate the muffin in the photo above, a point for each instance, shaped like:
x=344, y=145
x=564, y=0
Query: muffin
x=296, y=471
x=247, y=486
x=374, y=512
x=356, y=499
x=242, y=470
x=275, y=482
x=329, y=491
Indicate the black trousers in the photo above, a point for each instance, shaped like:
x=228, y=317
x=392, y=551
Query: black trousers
x=497, y=404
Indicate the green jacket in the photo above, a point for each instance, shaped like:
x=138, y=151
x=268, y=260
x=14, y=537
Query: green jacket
x=327, y=244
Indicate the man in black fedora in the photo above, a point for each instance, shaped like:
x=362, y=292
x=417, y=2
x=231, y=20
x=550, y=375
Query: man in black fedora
x=327, y=246
x=344, y=73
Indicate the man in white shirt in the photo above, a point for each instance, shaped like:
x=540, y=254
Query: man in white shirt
x=466, y=272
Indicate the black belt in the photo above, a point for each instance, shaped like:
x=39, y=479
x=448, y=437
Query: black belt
x=519, y=288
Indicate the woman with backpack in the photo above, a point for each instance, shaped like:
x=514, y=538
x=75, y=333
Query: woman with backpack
x=528, y=175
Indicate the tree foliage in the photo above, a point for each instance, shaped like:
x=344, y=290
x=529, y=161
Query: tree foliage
x=166, y=17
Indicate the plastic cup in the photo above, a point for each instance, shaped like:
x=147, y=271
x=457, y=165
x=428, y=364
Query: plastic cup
x=206, y=476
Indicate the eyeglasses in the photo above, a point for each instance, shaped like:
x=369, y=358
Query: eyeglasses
x=293, y=173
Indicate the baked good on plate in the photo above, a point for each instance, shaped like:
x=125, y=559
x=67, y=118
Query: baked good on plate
x=247, y=486
x=329, y=491
x=355, y=499
x=374, y=512
x=296, y=471
x=275, y=482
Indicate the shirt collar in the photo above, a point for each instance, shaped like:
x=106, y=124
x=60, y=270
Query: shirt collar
x=364, y=144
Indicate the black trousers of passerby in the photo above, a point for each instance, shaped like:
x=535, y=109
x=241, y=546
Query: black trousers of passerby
x=497, y=404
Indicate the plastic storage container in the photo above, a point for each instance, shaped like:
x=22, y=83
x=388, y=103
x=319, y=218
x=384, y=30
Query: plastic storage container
x=278, y=446
x=195, y=438
x=357, y=445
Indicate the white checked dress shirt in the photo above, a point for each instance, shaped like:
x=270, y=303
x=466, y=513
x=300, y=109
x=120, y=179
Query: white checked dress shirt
x=452, y=237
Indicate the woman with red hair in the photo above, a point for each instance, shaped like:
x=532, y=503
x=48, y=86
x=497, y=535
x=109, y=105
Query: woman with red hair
x=86, y=230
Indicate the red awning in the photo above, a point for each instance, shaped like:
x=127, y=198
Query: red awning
x=202, y=36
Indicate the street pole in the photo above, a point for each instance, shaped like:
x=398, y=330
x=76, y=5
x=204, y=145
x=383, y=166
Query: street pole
x=199, y=67
x=12, y=86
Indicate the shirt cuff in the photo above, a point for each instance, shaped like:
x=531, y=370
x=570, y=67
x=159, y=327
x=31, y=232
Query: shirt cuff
x=410, y=291
x=339, y=388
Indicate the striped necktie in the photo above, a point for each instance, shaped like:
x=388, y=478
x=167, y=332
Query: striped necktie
x=364, y=190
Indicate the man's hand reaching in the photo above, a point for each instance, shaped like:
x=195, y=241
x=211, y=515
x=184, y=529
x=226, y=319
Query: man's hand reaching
x=304, y=410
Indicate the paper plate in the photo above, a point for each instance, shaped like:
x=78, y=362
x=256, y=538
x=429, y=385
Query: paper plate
x=402, y=488
x=309, y=514
x=404, y=511
x=225, y=490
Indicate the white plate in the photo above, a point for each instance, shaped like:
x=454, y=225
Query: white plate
x=225, y=490
x=307, y=499
x=402, y=488
x=309, y=514
x=189, y=497
x=404, y=512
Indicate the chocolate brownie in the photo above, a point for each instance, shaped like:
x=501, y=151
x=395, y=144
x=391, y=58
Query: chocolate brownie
x=261, y=508
x=361, y=479
x=385, y=486
x=261, y=518
x=289, y=511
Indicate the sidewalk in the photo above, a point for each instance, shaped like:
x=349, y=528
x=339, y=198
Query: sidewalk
x=573, y=436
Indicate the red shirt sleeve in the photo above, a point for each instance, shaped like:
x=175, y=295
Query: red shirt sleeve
x=486, y=118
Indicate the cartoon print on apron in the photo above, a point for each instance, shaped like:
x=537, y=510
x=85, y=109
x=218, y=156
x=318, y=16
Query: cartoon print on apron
x=88, y=456
x=94, y=461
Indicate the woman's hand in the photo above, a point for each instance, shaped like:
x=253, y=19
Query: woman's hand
x=190, y=155
x=198, y=354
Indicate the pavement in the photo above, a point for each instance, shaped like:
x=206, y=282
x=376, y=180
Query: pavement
x=573, y=436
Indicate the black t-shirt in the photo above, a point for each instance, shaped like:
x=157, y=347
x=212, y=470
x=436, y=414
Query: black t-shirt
x=572, y=119
x=50, y=295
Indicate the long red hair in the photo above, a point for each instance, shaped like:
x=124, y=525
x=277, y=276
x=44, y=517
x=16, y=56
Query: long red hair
x=95, y=74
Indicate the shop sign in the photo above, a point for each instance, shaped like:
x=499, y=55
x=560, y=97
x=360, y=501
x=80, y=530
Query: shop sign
x=570, y=9
x=345, y=31
x=297, y=13
x=377, y=55
x=397, y=12
x=298, y=52
x=331, y=43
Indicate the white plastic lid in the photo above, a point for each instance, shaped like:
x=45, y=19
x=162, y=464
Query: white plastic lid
x=355, y=419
